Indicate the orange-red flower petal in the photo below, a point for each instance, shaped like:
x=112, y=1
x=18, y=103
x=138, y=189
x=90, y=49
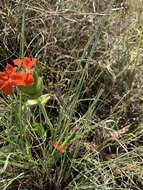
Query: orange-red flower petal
x=6, y=82
x=6, y=87
x=17, y=80
x=17, y=62
x=3, y=76
x=28, y=79
x=10, y=69
x=28, y=63
x=33, y=61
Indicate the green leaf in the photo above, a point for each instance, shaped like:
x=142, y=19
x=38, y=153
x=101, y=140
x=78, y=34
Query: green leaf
x=39, y=129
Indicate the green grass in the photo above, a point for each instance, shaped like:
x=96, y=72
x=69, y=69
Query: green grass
x=90, y=59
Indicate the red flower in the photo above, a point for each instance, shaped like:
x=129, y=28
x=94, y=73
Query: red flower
x=10, y=78
x=26, y=62
x=58, y=147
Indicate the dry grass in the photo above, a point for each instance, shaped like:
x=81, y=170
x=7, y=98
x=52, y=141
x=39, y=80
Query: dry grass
x=65, y=35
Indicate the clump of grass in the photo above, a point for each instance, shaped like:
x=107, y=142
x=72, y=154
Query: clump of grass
x=90, y=58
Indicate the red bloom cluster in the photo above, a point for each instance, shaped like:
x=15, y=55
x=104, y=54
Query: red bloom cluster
x=26, y=62
x=11, y=78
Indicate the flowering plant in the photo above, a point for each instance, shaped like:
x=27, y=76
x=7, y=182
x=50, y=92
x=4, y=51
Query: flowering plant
x=28, y=82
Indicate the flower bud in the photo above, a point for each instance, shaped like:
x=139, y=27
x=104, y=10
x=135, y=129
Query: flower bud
x=35, y=90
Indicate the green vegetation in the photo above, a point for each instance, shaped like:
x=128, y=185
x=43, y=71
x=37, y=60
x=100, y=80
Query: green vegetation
x=84, y=130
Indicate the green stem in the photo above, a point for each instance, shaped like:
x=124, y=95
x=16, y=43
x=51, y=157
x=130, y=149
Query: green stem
x=47, y=120
x=22, y=129
x=20, y=110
